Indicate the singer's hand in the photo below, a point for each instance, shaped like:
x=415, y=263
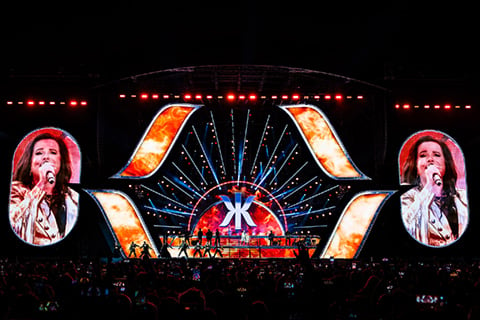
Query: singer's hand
x=44, y=170
x=432, y=173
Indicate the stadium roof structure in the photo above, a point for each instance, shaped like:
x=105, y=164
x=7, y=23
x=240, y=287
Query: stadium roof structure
x=244, y=78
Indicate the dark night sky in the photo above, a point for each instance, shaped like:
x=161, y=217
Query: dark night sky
x=367, y=41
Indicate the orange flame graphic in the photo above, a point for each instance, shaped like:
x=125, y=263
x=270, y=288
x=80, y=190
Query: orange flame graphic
x=124, y=219
x=322, y=142
x=157, y=142
x=354, y=224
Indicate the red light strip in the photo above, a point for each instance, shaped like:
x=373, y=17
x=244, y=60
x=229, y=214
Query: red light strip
x=436, y=106
x=44, y=103
x=244, y=97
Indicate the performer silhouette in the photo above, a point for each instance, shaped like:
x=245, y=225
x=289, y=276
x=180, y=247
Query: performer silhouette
x=217, y=238
x=200, y=235
x=183, y=249
x=218, y=250
x=198, y=249
x=132, y=250
x=145, y=253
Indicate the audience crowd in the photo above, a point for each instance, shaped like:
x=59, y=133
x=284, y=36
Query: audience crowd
x=242, y=289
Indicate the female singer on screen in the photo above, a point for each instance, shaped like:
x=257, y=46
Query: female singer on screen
x=434, y=211
x=43, y=208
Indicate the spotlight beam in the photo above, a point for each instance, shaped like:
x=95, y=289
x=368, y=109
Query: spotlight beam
x=283, y=164
x=233, y=143
x=242, y=149
x=276, y=146
x=186, y=177
x=264, y=177
x=259, y=144
x=315, y=195
x=194, y=164
x=310, y=227
x=300, y=187
x=296, y=214
x=205, y=154
x=165, y=197
x=293, y=176
x=170, y=212
x=218, y=144
x=181, y=189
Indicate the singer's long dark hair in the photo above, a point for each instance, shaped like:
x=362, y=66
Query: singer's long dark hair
x=23, y=174
x=410, y=176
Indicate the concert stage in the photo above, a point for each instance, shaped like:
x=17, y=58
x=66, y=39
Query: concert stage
x=260, y=149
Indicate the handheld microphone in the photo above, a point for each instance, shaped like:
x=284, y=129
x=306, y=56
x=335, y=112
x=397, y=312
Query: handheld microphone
x=50, y=177
x=436, y=177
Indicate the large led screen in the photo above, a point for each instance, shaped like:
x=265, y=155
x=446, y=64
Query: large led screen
x=435, y=210
x=43, y=207
x=240, y=182
x=170, y=177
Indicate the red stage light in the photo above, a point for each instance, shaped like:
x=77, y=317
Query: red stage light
x=230, y=97
x=295, y=97
x=154, y=96
x=144, y=96
x=252, y=97
x=187, y=96
x=41, y=103
x=328, y=97
x=83, y=103
x=406, y=106
x=198, y=96
x=338, y=97
x=73, y=103
x=122, y=96
x=30, y=103
x=284, y=97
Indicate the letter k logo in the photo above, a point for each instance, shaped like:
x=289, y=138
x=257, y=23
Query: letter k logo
x=238, y=211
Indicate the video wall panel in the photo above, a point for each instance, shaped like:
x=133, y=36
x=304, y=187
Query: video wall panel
x=259, y=180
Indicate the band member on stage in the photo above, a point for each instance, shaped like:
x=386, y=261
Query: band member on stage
x=271, y=238
x=198, y=249
x=187, y=237
x=243, y=238
x=132, y=250
x=200, y=236
x=43, y=208
x=217, y=238
x=207, y=250
x=218, y=249
x=435, y=211
x=145, y=253
x=247, y=238
x=308, y=241
x=209, y=236
x=164, y=253
x=183, y=249
x=288, y=238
